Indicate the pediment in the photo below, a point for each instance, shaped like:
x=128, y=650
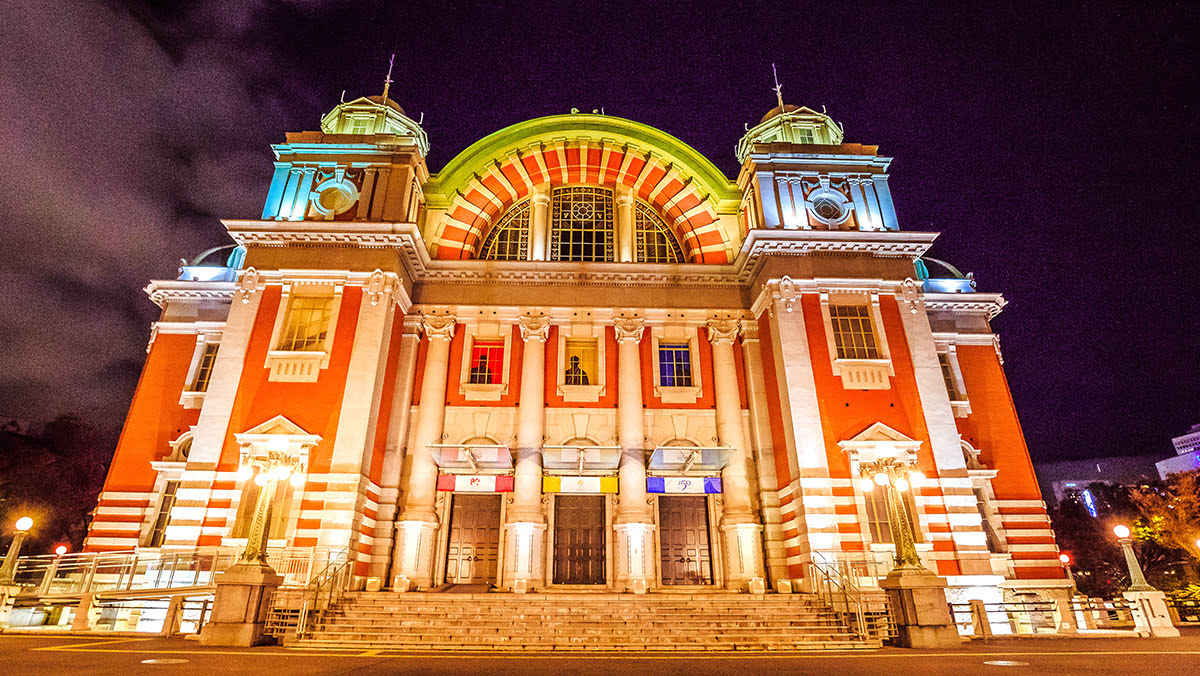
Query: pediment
x=880, y=432
x=279, y=425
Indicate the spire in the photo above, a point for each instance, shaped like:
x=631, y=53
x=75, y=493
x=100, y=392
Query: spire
x=778, y=87
x=387, y=81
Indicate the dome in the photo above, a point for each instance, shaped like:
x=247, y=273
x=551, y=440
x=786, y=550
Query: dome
x=375, y=115
x=791, y=124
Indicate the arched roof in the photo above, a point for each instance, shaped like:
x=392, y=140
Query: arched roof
x=484, y=180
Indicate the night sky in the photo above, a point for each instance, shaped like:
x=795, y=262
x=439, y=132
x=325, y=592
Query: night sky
x=1055, y=150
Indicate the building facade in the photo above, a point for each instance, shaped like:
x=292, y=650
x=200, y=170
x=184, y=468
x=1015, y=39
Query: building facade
x=579, y=355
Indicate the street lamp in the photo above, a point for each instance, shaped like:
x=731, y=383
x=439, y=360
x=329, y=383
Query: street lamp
x=1065, y=558
x=1136, y=577
x=894, y=478
x=9, y=568
x=266, y=471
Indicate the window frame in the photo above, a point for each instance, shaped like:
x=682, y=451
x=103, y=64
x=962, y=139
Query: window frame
x=947, y=354
x=191, y=398
x=856, y=373
x=522, y=209
x=643, y=212
x=554, y=228
x=473, y=331
x=581, y=393
x=675, y=334
x=302, y=365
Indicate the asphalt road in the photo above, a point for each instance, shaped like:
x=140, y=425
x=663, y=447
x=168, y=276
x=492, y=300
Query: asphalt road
x=128, y=656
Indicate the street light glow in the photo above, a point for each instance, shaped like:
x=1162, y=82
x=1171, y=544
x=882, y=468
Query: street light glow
x=1064, y=557
x=901, y=484
x=297, y=480
x=916, y=478
x=245, y=472
x=1121, y=530
x=24, y=523
x=881, y=478
x=60, y=550
x=867, y=486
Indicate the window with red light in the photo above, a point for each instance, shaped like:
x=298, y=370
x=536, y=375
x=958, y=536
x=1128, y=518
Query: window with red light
x=487, y=361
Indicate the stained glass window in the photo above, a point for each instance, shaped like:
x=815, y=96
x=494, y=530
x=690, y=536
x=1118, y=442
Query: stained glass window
x=655, y=242
x=508, y=240
x=582, y=224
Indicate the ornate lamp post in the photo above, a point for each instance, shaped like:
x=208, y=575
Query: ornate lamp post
x=267, y=471
x=895, y=477
x=1136, y=578
x=9, y=568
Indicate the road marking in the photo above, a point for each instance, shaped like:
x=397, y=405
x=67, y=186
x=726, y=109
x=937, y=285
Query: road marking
x=77, y=646
x=368, y=653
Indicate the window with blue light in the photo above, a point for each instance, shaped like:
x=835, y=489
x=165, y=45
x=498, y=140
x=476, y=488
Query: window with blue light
x=674, y=365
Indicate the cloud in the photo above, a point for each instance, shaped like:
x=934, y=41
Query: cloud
x=123, y=136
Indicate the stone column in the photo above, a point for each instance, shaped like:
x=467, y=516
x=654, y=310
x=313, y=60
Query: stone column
x=743, y=539
x=539, y=224
x=526, y=519
x=624, y=230
x=633, y=521
x=412, y=563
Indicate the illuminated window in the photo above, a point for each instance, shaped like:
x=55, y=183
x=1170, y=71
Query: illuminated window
x=487, y=361
x=307, y=324
x=655, y=243
x=804, y=135
x=508, y=240
x=581, y=362
x=159, y=530
x=852, y=332
x=948, y=376
x=205, y=367
x=359, y=125
x=582, y=227
x=674, y=365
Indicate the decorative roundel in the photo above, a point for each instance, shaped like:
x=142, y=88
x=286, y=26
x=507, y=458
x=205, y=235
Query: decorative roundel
x=582, y=211
x=334, y=196
x=828, y=205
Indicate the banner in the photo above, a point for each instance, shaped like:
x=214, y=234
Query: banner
x=579, y=484
x=470, y=483
x=681, y=484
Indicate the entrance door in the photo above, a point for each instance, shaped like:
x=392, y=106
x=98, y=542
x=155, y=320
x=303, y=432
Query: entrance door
x=683, y=536
x=474, y=539
x=579, y=539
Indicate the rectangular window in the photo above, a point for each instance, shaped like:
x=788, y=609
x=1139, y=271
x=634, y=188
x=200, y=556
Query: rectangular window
x=159, y=531
x=852, y=332
x=359, y=125
x=805, y=136
x=487, y=361
x=205, y=367
x=674, y=365
x=307, y=324
x=948, y=376
x=580, y=363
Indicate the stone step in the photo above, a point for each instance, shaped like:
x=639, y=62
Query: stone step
x=592, y=649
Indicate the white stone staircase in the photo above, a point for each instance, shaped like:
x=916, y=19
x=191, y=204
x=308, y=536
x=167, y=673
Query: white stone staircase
x=712, y=621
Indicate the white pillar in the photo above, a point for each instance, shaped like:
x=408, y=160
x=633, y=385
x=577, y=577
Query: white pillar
x=743, y=540
x=526, y=518
x=539, y=224
x=633, y=522
x=413, y=560
x=624, y=230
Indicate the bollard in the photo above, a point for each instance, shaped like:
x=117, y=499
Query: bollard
x=83, y=613
x=171, y=622
x=1066, y=617
x=979, y=620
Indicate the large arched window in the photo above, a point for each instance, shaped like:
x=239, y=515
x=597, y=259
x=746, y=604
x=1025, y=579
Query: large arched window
x=655, y=243
x=581, y=224
x=508, y=240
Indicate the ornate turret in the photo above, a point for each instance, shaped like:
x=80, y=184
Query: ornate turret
x=791, y=124
x=371, y=115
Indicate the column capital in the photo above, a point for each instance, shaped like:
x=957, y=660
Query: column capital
x=723, y=330
x=439, y=326
x=534, y=328
x=629, y=329
x=624, y=200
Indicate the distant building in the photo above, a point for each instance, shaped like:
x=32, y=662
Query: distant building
x=1187, y=446
x=1072, y=477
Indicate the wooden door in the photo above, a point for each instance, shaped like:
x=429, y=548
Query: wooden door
x=474, y=551
x=683, y=537
x=579, y=539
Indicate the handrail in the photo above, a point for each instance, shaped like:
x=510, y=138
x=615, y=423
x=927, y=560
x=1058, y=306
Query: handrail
x=331, y=581
x=833, y=580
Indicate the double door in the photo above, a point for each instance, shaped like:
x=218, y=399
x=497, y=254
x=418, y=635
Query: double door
x=579, y=527
x=683, y=539
x=474, y=551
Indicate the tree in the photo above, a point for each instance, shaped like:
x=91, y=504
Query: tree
x=1170, y=511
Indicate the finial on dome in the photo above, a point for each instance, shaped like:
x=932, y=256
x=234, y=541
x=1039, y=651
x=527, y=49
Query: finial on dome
x=778, y=87
x=387, y=81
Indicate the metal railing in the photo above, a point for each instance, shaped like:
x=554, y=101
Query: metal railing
x=839, y=585
x=92, y=572
x=1013, y=618
x=295, y=610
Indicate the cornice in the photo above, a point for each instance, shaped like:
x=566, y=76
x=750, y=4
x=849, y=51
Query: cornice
x=986, y=304
x=166, y=291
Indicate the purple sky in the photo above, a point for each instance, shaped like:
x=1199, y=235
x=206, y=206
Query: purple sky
x=1055, y=151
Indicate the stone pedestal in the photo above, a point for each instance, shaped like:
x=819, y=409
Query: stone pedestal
x=923, y=618
x=1151, y=615
x=240, y=608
